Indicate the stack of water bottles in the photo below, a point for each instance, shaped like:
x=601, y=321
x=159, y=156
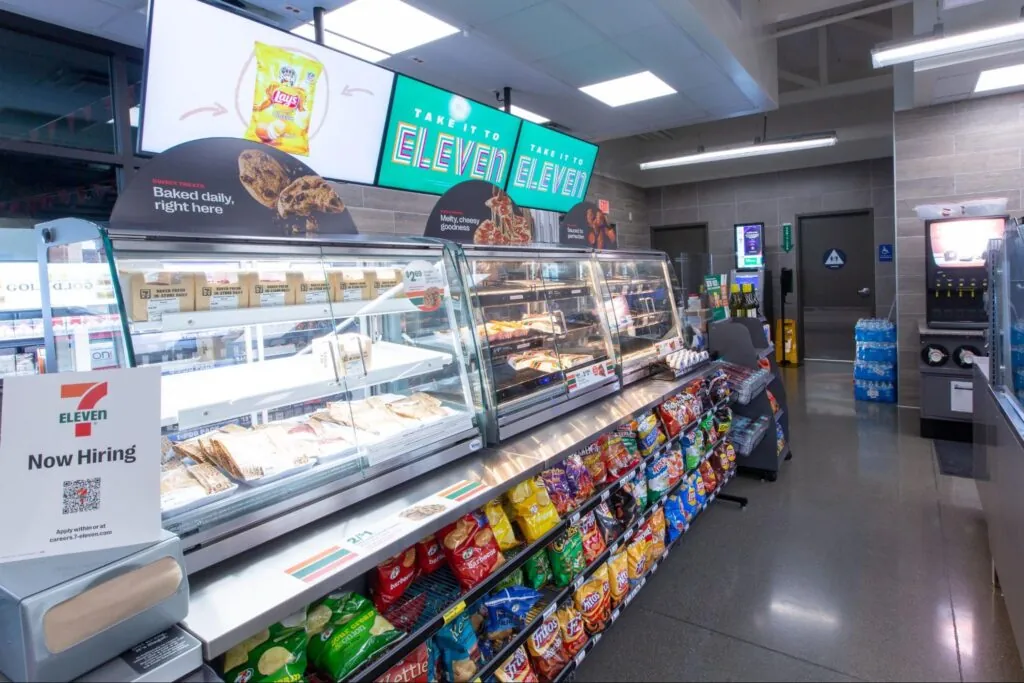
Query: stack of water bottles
x=874, y=372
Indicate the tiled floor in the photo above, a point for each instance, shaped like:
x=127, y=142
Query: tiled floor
x=860, y=562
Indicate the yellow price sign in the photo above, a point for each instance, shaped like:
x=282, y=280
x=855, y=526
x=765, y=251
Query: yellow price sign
x=454, y=611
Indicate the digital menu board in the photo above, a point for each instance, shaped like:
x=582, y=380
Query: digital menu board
x=750, y=246
x=211, y=73
x=550, y=170
x=436, y=139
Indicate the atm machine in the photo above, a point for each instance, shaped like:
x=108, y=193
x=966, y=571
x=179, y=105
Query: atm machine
x=953, y=332
x=750, y=269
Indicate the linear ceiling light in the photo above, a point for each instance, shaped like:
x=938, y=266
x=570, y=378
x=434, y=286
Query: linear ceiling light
x=388, y=25
x=997, y=79
x=755, y=150
x=528, y=115
x=944, y=45
x=341, y=44
x=629, y=89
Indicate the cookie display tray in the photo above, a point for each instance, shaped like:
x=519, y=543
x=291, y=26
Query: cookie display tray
x=199, y=398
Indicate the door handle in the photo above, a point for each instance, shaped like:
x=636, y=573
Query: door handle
x=864, y=291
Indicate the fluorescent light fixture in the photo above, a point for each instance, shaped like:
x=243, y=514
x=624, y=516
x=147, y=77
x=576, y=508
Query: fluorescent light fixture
x=944, y=45
x=133, y=117
x=997, y=79
x=755, y=150
x=388, y=25
x=341, y=44
x=528, y=115
x=629, y=89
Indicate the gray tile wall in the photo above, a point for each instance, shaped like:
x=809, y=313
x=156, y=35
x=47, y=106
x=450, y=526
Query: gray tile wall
x=628, y=210
x=950, y=152
x=777, y=198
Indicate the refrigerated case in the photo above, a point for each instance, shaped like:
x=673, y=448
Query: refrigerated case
x=299, y=377
x=641, y=308
x=545, y=343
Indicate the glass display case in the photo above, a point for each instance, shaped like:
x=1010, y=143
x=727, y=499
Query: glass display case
x=1006, y=314
x=544, y=340
x=642, y=309
x=299, y=376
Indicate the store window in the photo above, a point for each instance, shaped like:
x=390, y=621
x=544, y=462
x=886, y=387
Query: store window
x=134, y=70
x=36, y=188
x=54, y=93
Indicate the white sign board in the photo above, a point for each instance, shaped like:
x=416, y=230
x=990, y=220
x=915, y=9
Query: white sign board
x=79, y=462
x=201, y=82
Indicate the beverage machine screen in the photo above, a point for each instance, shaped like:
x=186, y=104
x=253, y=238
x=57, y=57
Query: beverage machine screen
x=956, y=269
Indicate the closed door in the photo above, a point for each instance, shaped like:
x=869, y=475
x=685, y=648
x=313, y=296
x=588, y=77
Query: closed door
x=837, y=280
x=680, y=239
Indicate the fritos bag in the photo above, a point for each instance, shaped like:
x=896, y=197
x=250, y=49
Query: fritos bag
x=574, y=631
x=429, y=556
x=282, y=105
x=593, y=600
x=594, y=461
x=618, y=577
x=471, y=549
x=546, y=649
x=516, y=669
x=392, y=577
x=500, y=525
x=534, y=512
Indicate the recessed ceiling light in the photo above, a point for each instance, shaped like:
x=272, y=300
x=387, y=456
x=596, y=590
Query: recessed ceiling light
x=759, y=149
x=341, y=44
x=887, y=55
x=997, y=79
x=629, y=89
x=528, y=115
x=388, y=25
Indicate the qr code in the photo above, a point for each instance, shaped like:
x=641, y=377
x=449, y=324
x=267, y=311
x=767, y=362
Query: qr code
x=81, y=495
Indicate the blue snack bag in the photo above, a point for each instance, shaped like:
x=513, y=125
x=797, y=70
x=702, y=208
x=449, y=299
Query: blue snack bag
x=675, y=519
x=507, y=610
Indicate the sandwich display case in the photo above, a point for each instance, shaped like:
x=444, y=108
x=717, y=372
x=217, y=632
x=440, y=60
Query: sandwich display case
x=299, y=376
x=539, y=321
x=641, y=308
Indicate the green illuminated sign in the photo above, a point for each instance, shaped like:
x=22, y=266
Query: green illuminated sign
x=436, y=139
x=550, y=170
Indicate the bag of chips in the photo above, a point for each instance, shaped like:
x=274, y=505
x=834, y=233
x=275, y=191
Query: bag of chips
x=546, y=649
x=649, y=434
x=429, y=556
x=557, y=486
x=625, y=508
x=566, y=556
x=534, y=512
x=693, y=447
x=669, y=414
x=656, y=537
x=516, y=669
x=580, y=482
x=637, y=487
x=593, y=600
x=471, y=549
x=514, y=578
x=413, y=668
x=675, y=518
x=674, y=462
x=282, y=105
x=636, y=556
x=537, y=570
x=460, y=653
x=500, y=525
x=611, y=527
x=689, y=500
x=617, y=459
x=657, y=473
x=573, y=630
x=277, y=653
x=392, y=577
x=507, y=609
x=593, y=541
x=594, y=461
x=618, y=577
x=353, y=634
x=707, y=473
x=698, y=483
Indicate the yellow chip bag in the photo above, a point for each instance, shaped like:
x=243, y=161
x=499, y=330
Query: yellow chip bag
x=282, y=106
x=656, y=537
x=535, y=513
x=618, y=577
x=636, y=556
x=500, y=525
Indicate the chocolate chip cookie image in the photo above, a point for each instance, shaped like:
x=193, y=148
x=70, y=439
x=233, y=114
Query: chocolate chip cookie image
x=262, y=176
x=307, y=195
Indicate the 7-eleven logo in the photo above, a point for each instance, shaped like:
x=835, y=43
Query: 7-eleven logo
x=89, y=393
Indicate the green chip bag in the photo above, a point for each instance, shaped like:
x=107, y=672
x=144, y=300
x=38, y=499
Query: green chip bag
x=353, y=635
x=566, y=556
x=513, y=579
x=274, y=655
x=537, y=570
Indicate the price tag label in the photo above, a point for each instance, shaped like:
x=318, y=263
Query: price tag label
x=606, y=494
x=424, y=286
x=515, y=297
x=579, y=380
x=580, y=657
x=615, y=614
x=454, y=611
x=549, y=610
x=577, y=582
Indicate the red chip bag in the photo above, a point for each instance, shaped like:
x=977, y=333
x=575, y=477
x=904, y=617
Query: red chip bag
x=707, y=473
x=471, y=549
x=392, y=577
x=669, y=414
x=593, y=540
x=516, y=669
x=573, y=630
x=412, y=669
x=676, y=464
x=429, y=556
x=593, y=600
x=546, y=649
x=594, y=461
x=617, y=459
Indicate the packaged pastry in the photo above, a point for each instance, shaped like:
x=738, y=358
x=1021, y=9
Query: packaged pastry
x=471, y=549
x=221, y=291
x=516, y=669
x=268, y=289
x=354, y=284
x=535, y=513
x=282, y=105
x=566, y=556
x=346, y=354
x=392, y=577
x=153, y=293
x=277, y=653
x=593, y=600
x=353, y=634
x=618, y=577
x=385, y=280
x=429, y=556
x=315, y=286
x=500, y=525
x=546, y=649
x=572, y=628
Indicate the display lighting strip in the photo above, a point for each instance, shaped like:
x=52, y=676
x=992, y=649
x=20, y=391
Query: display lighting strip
x=755, y=150
x=938, y=46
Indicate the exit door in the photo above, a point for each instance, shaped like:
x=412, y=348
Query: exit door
x=837, y=280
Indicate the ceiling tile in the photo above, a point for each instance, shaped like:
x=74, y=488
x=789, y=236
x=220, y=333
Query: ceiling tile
x=615, y=17
x=664, y=49
x=467, y=13
x=721, y=98
x=590, y=65
x=542, y=31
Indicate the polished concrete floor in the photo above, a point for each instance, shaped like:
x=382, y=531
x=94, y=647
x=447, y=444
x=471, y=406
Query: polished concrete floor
x=861, y=562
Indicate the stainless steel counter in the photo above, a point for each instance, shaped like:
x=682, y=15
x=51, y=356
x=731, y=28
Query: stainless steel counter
x=923, y=328
x=237, y=598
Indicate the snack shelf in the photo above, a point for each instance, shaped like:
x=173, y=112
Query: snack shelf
x=779, y=413
x=200, y=398
x=747, y=439
x=767, y=351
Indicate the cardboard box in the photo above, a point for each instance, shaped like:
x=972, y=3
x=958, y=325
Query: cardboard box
x=347, y=354
x=271, y=289
x=221, y=291
x=354, y=284
x=315, y=286
x=384, y=279
x=151, y=294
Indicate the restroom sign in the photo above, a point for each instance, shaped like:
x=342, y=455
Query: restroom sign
x=834, y=259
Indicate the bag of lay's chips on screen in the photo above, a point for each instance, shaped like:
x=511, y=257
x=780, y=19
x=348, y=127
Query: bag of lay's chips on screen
x=282, y=105
x=273, y=655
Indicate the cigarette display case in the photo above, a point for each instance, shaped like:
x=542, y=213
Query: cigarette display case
x=542, y=330
x=299, y=376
